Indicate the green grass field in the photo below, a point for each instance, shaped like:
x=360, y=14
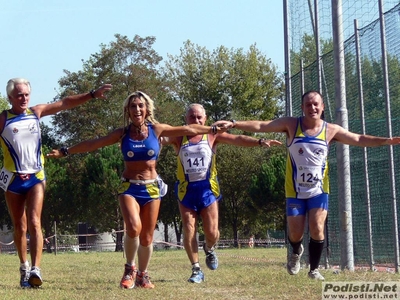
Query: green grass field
x=242, y=274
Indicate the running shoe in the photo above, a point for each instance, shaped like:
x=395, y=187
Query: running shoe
x=35, y=279
x=143, y=281
x=293, y=264
x=316, y=275
x=197, y=276
x=211, y=258
x=129, y=277
x=24, y=278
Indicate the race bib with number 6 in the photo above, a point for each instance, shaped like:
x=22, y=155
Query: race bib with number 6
x=5, y=178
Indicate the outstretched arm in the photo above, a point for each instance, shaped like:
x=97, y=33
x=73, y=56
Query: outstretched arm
x=354, y=139
x=88, y=145
x=69, y=102
x=165, y=130
x=245, y=141
x=277, y=125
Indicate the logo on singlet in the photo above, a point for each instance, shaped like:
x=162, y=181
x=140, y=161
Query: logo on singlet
x=150, y=152
x=130, y=154
x=319, y=152
x=33, y=128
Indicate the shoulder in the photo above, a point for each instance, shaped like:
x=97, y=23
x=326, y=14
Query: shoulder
x=291, y=123
x=334, y=131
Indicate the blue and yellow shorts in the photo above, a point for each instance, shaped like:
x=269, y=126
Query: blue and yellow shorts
x=22, y=183
x=143, y=193
x=196, y=195
x=299, y=207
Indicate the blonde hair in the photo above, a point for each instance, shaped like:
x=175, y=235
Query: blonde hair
x=149, y=106
x=11, y=85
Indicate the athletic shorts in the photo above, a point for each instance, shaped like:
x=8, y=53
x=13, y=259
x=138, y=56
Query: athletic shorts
x=143, y=193
x=22, y=183
x=198, y=195
x=299, y=207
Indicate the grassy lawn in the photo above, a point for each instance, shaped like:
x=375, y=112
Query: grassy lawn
x=257, y=273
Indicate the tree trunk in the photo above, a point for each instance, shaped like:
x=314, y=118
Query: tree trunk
x=118, y=242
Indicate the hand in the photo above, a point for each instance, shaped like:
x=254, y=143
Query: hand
x=224, y=124
x=55, y=154
x=99, y=93
x=393, y=141
x=268, y=143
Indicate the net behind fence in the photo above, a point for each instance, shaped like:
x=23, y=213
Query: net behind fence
x=302, y=41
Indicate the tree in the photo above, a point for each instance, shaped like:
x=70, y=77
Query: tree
x=128, y=66
x=4, y=104
x=267, y=191
x=100, y=181
x=226, y=82
x=4, y=215
x=308, y=52
x=62, y=201
x=229, y=84
x=235, y=166
x=170, y=112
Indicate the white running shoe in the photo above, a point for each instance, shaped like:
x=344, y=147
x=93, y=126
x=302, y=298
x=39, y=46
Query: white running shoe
x=316, y=275
x=293, y=264
x=35, y=279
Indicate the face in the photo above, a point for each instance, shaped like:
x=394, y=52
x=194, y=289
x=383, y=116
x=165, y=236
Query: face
x=196, y=115
x=312, y=106
x=137, y=111
x=19, y=98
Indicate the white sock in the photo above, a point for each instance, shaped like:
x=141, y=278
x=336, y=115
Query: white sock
x=25, y=265
x=195, y=265
x=131, y=246
x=144, y=255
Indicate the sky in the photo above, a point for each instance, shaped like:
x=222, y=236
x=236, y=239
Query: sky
x=41, y=38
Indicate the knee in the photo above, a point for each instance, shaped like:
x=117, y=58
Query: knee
x=189, y=228
x=146, y=240
x=20, y=230
x=20, y=227
x=317, y=233
x=212, y=234
x=133, y=230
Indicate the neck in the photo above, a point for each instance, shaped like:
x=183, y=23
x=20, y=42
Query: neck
x=139, y=130
x=138, y=127
x=16, y=112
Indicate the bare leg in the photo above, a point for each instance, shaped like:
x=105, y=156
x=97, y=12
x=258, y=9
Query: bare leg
x=16, y=208
x=34, y=206
x=209, y=216
x=189, y=220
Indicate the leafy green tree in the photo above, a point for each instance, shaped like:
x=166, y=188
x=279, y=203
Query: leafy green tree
x=128, y=65
x=229, y=83
x=267, y=191
x=169, y=112
x=226, y=82
x=100, y=181
x=235, y=166
x=62, y=204
x=4, y=103
x=308, y=52
x=4, y=215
